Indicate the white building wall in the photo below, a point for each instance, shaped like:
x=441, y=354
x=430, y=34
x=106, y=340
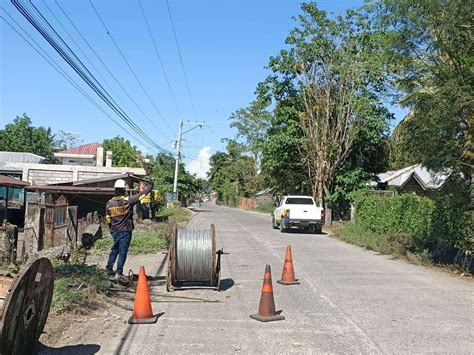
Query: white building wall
x=43, y=174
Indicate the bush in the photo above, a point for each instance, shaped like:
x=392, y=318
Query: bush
x=407, y=223
x=405, y=218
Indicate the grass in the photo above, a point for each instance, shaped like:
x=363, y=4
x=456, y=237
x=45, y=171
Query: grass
x=76, y=287
x=177, y=214
x=386, y=244
x=150, y=237
x=265, y=208
x=143, y=242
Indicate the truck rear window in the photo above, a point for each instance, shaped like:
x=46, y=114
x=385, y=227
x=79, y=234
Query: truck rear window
x=299, y=201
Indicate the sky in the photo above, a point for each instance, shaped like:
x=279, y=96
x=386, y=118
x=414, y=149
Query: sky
x=225, y=46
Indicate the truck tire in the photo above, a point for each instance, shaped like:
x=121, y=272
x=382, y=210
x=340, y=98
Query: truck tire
x=274, y=225
x=318, y=229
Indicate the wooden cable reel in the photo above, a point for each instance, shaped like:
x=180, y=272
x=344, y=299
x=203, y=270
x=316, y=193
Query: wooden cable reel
x=26, y=305
x=193, y=261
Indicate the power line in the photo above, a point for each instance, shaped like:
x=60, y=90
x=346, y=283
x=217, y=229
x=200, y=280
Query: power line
x=76, y=64
x=106, y=67
x=181, y=59
x=129, y=66
x=79, y=47
x=159, y=58
x=63, y=73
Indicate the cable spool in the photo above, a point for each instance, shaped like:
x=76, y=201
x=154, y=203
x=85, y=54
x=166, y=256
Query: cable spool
x=25, y=307
x=192, y=259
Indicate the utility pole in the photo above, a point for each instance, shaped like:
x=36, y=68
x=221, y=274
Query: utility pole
x=178, y=156
x=177, y=145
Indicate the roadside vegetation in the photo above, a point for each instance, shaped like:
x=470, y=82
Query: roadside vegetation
x=428, y=231
x=265, y=208
x=77, y=287
x=148, y=236
x=319, y=124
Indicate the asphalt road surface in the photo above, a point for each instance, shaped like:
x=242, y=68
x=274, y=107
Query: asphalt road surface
x=349, y=301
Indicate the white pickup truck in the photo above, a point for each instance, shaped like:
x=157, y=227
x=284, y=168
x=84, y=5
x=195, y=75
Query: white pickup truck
x=298, y=211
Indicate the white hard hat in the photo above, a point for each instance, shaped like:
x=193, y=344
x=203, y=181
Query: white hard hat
x=119, y=184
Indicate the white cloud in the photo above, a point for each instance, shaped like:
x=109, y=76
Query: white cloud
x=200, y=165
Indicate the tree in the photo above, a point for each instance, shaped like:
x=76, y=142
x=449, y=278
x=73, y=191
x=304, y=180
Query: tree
x=66, y=140
x=252, y=123
x=124, y=153
x=21, y=136
x=431, y=45
x=326, y=91
x=162, y=172
x=232, y=173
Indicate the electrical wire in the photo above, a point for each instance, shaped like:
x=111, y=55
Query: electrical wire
x=103, y=63
x=181, y=59
x=159, y=58
x=76, y=64
x=79, y=48
x=63, y=73
x=129, y=66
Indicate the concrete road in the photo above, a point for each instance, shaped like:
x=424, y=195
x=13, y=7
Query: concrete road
x=349, y=301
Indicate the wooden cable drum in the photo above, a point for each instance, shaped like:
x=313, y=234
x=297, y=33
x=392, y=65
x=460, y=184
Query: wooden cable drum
x=193, y=260
x=26, y=307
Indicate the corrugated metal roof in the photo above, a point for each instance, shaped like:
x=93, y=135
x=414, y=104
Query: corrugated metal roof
x=101, y=179
x=87, y=149
x=9, y=181
x=73, y=189
x=427, y=178
x=21, y=157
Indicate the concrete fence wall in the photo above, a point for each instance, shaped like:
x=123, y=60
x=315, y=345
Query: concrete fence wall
x=44, y=174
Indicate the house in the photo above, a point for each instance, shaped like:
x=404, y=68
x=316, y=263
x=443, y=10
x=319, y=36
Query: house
x=91, y=154
x=265, y=197
x=416, y=179
x=81, y=163
x=22, y=157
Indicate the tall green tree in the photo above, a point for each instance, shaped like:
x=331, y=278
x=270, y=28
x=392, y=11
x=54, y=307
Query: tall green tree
x=430, y=46
x=334, y=64
x=124, y=153
x=232, y=174
x=22, y=136
x=326, y=91
x=162, y=172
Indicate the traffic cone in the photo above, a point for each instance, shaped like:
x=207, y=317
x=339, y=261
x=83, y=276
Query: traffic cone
x=266, y=309
x=288, y=275
x=142, y=312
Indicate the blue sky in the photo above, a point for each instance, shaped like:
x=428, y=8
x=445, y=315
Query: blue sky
x=225, y=46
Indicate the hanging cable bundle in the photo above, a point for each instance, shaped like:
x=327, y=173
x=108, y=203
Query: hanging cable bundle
x=192, y=259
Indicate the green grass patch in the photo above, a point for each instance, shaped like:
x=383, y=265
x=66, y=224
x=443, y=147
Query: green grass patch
x=177, y=214
x=143, y=242
x=76, y=287
x=265, y=208
x=394, y=244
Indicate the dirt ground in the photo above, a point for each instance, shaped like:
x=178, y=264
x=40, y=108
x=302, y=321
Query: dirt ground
x=107, y=318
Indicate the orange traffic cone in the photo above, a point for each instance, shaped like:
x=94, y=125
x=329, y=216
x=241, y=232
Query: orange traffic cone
x=142, y=312
x=288, y=275
x=266, y=310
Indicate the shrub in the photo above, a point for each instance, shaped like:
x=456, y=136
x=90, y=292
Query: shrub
x=404, y=218
x=404, y=224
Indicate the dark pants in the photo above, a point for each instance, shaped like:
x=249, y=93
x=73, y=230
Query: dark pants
x=120, y=248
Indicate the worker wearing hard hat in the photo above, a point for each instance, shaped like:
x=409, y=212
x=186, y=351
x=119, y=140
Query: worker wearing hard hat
x=119, y=217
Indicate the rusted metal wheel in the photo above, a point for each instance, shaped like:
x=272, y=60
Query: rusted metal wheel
x=26, y=308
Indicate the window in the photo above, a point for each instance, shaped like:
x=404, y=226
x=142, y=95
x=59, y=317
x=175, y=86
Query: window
x=299, y=201
x=60, y=213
